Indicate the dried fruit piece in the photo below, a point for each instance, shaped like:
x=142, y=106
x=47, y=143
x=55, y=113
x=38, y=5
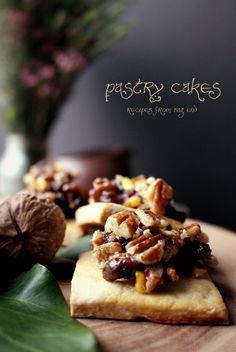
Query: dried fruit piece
x=31, y=231
x=119, y=267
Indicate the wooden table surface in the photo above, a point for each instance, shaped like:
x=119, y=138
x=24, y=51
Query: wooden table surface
x=137, y=336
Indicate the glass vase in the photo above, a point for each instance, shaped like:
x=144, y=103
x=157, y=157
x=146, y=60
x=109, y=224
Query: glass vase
x=20, y=152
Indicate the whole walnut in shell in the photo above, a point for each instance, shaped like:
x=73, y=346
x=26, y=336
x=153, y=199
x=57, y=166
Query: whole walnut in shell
x=31, y=231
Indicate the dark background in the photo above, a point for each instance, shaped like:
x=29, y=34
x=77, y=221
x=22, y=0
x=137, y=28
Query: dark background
x=173, y=41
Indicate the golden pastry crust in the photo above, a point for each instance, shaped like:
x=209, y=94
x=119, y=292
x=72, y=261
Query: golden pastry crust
x=187, y=301
x=95, y=215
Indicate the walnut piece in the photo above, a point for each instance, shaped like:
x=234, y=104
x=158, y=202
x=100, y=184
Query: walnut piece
x=158, y=194
x=123, y=224
x=106, y=250
x=149, y=219
x=31, y=231
x=151, y=255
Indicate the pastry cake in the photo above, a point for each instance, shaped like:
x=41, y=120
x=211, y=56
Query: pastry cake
x=107, y=197
x=189, y=300
x=142, y=267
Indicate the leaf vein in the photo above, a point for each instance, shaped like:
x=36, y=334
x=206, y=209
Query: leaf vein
x=19, y=344
x=32, y=316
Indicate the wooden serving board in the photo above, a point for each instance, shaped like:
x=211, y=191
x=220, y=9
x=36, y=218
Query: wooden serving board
x=137, y=336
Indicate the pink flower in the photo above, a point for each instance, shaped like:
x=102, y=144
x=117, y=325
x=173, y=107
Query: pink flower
x=69, y=61
x=19, y=17
x=29, y=78
x=46, y=72
x=36, y=73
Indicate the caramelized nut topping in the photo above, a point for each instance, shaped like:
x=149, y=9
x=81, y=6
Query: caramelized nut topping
x=139, y=244
x=106, y=250
x=149, y=219
x=54, y=183
x=123, y=224
x=151, y=255
x=139, y=192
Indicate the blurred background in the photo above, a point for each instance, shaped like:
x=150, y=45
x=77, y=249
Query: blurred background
x=170, y=42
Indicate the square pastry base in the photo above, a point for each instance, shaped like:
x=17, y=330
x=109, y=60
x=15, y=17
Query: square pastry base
x=187, y=301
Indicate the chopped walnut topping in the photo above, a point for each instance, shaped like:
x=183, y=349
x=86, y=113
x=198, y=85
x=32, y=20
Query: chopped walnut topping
x=98, y=239
x=188, y=231
x=139, y=192
x=149, y=219
x=192, y=230
x=106, y=250
x=151, y=255
x=159, y=194
x=143, y=245
x=123, y=224
x=134, y=243
x=55, y=183
x=148, y=251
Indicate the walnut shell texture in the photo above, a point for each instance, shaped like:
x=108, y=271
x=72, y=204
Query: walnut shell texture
x=31, y=231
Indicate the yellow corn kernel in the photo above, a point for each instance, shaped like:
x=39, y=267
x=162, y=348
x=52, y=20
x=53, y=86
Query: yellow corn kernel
x=133, y=202
x=126, y=182
x=139, y=283
x=40, y=184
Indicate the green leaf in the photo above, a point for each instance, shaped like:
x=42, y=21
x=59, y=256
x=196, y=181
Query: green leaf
x=73, y=252
x=34, y=317
x=63, y=265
